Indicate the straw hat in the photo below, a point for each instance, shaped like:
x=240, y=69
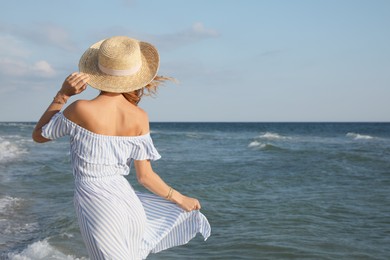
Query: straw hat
x=120, y=64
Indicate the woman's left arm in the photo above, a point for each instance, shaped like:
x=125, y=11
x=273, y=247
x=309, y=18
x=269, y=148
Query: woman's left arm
x=153, y=182
x=74, y=84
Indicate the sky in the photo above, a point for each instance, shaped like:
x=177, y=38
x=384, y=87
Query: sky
x=235, y=61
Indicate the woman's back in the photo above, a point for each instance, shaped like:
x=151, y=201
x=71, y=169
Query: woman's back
x=109, y=114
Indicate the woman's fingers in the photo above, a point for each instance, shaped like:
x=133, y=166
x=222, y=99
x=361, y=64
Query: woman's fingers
x=78, y=79
x=191, y=204
x=81, y=82
x=75, y=83
x=197, y=206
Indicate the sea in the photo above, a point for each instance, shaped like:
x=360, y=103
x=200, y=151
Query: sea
x=269, y=190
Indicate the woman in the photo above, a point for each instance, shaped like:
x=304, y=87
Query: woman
x=108, y=134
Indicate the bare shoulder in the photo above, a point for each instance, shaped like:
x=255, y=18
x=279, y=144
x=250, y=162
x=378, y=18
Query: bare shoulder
x=144, y=120
x=78, y=111
x=108, y=117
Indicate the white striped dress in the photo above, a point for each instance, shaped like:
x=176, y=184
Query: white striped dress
x=115, y=221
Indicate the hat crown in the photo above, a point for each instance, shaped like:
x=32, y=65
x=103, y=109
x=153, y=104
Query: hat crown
x=119, y=56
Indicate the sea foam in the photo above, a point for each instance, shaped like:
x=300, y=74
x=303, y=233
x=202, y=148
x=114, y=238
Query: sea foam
x=266, y=141
x=41, y=250
x=10, y=150
x=263, y=146
x=11, y=221
x=271, y=136
x=256, y=144
x=8, y=202
x=357, y=136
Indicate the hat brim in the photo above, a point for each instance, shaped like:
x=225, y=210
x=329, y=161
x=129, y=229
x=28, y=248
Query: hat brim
x=120, y=84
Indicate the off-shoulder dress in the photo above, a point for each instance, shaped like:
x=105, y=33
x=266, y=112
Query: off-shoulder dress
x=117, y=222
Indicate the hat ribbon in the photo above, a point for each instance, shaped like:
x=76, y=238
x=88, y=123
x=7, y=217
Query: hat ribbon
x=114, y=72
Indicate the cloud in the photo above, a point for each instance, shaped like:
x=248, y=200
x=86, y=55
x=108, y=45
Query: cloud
x=10, y=46
x=19, y=75
x=44, y=69
x=199, y=29
x=15, y=60
x=42, y=34
x=56, y=35
x=197, y=32
x=20, y=48
x=20, y=68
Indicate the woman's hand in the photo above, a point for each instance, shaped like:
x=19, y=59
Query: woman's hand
x=188, y=203
x=74, y=84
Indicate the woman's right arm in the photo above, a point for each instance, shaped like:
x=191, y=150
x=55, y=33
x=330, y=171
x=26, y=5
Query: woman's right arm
x=73, y=84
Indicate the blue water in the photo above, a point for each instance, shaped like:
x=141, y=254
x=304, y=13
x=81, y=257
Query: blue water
x=269, y=190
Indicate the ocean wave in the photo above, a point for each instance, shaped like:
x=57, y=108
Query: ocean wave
x=267, y=141
x=256, y=144
x=11, y=222
x=41, y=250
x=272, y=136
x=14, y=227
x=263, y=146
x=8, y=202
x=357, y=136
x=10, y=150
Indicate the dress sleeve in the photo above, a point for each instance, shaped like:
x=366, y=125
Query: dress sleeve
x=57, y=127
x=144, y=149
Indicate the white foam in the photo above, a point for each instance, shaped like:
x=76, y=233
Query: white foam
x=271, y=136
x=12, y=227
x=256, y=144
x=39, y=251
x=357, y=136
x=10, y=150
x=11, y=222
x=8, y=202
